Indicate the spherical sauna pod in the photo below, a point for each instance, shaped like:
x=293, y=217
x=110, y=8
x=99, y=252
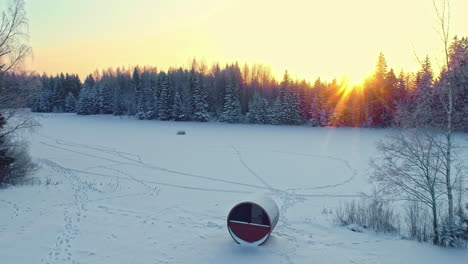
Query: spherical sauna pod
x=253, y=220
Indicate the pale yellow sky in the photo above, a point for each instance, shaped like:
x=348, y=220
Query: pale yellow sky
x=309, y=38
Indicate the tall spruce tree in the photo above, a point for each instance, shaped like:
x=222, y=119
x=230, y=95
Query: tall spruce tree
x=424, y=97
x=164, y=100
x=319, y=116
x=258, y=110
x=289, y=112
x=178, y=113
x=275, y=112
x=70, y=103
x=200, y=105
x=232, y=107
x=88, y=98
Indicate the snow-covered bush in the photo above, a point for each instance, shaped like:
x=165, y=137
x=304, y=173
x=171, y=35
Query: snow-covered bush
x=15, y=162
x=369, y=213
x=418, y=222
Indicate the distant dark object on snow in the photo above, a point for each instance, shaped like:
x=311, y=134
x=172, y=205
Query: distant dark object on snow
x=252, y=220
x=181, y=132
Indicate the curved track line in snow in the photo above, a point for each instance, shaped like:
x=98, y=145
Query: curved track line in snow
x=151, y=189
x=149, y=166
x=239, y=155
x=151, y=182
x=345, y=162
x=121, y=154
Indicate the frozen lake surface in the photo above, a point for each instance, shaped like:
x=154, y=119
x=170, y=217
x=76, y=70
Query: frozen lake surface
x=120, y=190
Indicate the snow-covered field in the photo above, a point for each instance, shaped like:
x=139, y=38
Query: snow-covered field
x=119, y=190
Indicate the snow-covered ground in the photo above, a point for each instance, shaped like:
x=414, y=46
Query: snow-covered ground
x=119, y=190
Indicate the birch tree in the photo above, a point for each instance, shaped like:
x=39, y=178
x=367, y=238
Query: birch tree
x=408, y=167
x=443, y=19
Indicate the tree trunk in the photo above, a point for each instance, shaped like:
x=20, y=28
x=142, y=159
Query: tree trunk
x=444, y=18
x=449, y=148
x=448, y=173
x=435, y=225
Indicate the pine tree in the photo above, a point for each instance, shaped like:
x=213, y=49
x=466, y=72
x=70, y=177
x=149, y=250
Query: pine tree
x=104, y=97
x=289, y=112
x=118, y=100
x=232, y=107
x=70, y=103
x=258, y=110
x=387, y=111
x=178, y=113
x=423, y=115
x=87, y=103
x=82, y=104
x=145, y=85
x=150, y=86
x=200, y=105
x=44, y=100
x=458, y=65
x=139, y=96
x=318, y=114
x=375, y=94
x=164, y=100
x=275, y=112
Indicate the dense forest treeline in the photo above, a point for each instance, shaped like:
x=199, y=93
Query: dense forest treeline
x=251, y=94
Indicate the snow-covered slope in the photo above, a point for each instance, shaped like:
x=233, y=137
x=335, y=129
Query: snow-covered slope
x=118, y=190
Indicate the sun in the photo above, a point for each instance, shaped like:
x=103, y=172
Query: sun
x=347, y=85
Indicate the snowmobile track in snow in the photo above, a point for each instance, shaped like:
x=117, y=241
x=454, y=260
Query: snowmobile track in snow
x=54, y=164
x=153, y=167
x=239, y=155
x=149, y=166
x=346, y=163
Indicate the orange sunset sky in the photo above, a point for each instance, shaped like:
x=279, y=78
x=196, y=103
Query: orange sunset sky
x=309, y=38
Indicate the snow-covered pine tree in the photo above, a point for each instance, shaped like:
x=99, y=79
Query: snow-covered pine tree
x=232, y=107
x=87, y=100
x=258, y=110
x=44, y=100
x=388, y=99
x=178, y=108
x=93, y=100
x=58, y=96
x=319, y=112
x=70, y=103
x=200, y=105
x=104, y=97
x=82, y=103
x=150, y=85
x=118, y=107
x=275, y=112
x=164, y=100
x=325, y=116
x=139, y=97
x=145, y=85
x=422, y=115
x=289, y=112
